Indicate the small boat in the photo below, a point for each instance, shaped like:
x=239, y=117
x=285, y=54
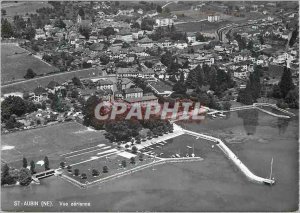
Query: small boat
x=222, y=115
x=213, y=116
x=271, y=180
x=177, y=155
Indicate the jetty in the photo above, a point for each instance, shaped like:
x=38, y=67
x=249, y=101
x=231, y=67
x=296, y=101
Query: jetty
x=228, y=153
x=259, y=106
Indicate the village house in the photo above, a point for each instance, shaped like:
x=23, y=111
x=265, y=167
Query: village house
x=40, y=34
x=163, y=42
x=160, y=22
x=145, y=100
x=146, y=73
x=240, y=73
x=53, y=87
x=39, y=94
x=133, y=93
x=127, y=72
x=145, y=42
x=213, y=18
x=104, y=84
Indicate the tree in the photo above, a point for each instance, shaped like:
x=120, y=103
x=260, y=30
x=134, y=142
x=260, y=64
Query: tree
x=226, y=105
x=81, y=12
x=286, y=83
x=136, y=25
x=159, y=9
x=59, y=23
x=6, y=178
x=293, y=37
x=276, y=92
x=3, y=12
x=134, y=150
x=6, y=29
x=105, y=169
x=104, y=59
x=167, y=10
x=245, y=96
x=261, y=39
x=141, y=157
x=148, y=64
x=292, y=98
x=124, y=163
x=85, y=30
x=250, y=45
x=83, y=176
x=29, y=33
x=108, y=31
x=69, y=168
x=4, y=170
x=12, y=105
x=46, y=163
x=62, y=164
x=132, y=160
x=25, y=164
x=32, y=167
x=29, y=74
x=147, y=24
x=95, y=172
x=76, y=172
x=12, y=123
x=200, y=37
x=24, y=177
x=76, y=81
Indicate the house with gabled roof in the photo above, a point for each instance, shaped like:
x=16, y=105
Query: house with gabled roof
x=39, y=94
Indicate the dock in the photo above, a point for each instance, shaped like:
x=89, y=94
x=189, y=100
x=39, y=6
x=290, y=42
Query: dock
x=228, y=153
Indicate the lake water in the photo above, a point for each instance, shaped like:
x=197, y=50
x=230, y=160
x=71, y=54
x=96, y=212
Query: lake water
x=213, y=184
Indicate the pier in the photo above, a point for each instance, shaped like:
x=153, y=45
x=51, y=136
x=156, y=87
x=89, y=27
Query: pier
x=252, y=177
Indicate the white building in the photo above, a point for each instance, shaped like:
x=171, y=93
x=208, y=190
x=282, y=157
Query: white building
x=213, y=18
x=163, y=22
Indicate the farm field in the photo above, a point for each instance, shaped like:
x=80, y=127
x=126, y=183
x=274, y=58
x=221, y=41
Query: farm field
x=30, y=85
x=15, y=61
x=21, y=8
x=203, y=26
x=50, y=141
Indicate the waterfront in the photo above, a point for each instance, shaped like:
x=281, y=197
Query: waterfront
x=214, y=184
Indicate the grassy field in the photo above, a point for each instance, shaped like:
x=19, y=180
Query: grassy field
x=113, y=163
x=21, y=8
x=51, y=141
x=44, y=81
x=15, y=61
x=203, y=26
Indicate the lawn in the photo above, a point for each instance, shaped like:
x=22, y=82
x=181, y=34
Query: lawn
x=203, y=26
x=52, y=141
x=21, y=8
x=15, y=61
x=30, y=85
x=113, y=163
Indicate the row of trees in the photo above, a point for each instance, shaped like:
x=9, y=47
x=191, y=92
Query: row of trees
x=286, y=91
x=24, y=175
x=76, y=172
x=14, y=106
x=18, y=28
x=252, y=92
x=32, y=164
